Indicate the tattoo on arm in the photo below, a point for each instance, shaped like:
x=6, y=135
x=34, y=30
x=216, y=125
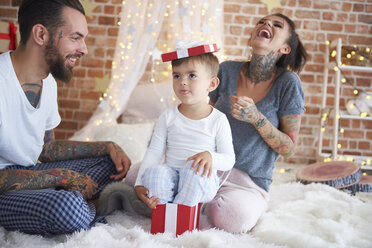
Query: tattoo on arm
x=66, y=150
x=14, y=180
x=282, y=141
x=49, y=136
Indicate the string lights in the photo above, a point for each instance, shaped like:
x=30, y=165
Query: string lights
x=148, y=29
x=356, y=57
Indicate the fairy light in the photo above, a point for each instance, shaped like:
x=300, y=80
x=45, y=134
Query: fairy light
x=342, y=130
x=282, y=171
x=339, y=146
x=333, y=54
x=368, y=161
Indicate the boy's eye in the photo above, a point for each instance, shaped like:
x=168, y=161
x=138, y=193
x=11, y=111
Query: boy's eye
x=278, y=25
x=176, y=76
x=260, y=22
x=192, y=75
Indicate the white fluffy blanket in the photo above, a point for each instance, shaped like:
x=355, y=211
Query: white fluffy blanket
x=298, y=216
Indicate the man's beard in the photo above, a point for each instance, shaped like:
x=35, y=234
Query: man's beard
x=57, y=63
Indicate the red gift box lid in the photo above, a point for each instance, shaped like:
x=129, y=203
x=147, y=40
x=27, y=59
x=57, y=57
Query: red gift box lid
x=188, y=52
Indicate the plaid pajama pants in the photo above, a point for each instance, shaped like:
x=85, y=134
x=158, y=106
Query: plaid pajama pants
x=180, y=185
x=55, y=211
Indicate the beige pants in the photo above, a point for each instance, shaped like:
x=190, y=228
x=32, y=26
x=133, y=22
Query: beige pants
x=238, y=205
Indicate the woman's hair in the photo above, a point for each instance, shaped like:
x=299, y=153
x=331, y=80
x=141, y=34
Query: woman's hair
x=45, y=12
x=208, y=59
x=297, y=58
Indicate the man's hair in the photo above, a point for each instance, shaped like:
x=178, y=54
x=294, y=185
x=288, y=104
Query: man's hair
x=207, y=59
x=45, y=12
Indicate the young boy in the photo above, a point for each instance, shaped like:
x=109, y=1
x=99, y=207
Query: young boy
x=194, y=137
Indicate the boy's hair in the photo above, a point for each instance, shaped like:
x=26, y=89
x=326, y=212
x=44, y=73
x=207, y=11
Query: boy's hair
x=208, y=59
x=45, y=12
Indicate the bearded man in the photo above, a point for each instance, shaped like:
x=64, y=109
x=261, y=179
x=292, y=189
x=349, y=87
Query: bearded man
x=47, y=186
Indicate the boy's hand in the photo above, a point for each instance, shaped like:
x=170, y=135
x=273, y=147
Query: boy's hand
x=142, y=193
x=204, y=161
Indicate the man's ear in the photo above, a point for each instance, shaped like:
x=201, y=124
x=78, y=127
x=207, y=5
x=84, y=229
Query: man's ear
x=215, y=81
x=285, y=49
x=40, y=34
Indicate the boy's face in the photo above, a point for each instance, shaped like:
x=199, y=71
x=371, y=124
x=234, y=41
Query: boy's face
x=192, y=82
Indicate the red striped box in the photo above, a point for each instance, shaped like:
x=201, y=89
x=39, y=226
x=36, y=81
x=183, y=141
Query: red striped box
x=175, y=218
x=184, y=53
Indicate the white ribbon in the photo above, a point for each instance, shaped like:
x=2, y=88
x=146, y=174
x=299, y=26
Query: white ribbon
x=170, y=224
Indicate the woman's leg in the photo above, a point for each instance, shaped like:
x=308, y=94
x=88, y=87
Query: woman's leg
x=194, y=188
x=162, y=182
x=238, y=205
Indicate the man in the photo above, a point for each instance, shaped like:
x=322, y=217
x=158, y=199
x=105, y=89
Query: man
x=52, y=196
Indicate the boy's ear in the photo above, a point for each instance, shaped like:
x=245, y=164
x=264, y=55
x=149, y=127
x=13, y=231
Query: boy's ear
x=40, y=34
x=215, y=81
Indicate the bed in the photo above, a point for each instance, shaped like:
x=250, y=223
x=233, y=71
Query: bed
x=313, y=215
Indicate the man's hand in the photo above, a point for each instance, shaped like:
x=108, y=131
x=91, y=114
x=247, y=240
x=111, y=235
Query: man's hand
x=142, y=193
x=120, y=159
x=72, y=180
x=204, y=162
x=15, y=180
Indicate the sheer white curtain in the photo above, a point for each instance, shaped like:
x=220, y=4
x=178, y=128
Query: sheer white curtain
x=147, y=26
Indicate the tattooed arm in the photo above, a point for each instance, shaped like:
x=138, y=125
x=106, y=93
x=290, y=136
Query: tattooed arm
x=66, y=150
x=14, y=180
x=282, y=141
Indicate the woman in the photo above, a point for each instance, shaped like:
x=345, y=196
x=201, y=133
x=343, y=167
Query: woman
x=263, y=102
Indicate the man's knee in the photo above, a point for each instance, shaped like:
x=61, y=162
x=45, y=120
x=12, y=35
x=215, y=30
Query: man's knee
x=69, y=212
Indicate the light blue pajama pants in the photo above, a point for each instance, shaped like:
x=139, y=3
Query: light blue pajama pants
x=55, y=211
x=180, y=185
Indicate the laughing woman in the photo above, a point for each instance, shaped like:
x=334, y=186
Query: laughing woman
x=263, y=100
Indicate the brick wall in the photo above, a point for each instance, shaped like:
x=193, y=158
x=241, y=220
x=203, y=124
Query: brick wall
x=316, y=20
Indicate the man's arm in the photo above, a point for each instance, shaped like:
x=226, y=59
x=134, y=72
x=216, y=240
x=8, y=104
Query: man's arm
x=66, y=150
x=15, y=180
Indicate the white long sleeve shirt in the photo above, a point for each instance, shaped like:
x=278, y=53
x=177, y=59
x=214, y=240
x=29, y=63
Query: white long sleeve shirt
x=179, y=138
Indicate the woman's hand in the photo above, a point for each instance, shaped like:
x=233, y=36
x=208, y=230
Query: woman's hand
x=120, y=159
x=142, y=193
x=204, y=162
x=244, y=109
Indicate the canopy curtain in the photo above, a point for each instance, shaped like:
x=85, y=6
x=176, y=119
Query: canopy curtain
x=148, y=28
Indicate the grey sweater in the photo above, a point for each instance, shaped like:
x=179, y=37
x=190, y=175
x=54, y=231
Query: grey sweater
x=285, y=97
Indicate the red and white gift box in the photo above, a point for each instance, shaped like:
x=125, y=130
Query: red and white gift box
x=188, y=52
x=9, y=36
x=175, y=218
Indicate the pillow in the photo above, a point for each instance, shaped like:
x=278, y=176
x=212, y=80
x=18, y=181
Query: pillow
x=148, y=101
x=132, y=138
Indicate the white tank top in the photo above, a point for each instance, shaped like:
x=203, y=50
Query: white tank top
x=22, y=127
